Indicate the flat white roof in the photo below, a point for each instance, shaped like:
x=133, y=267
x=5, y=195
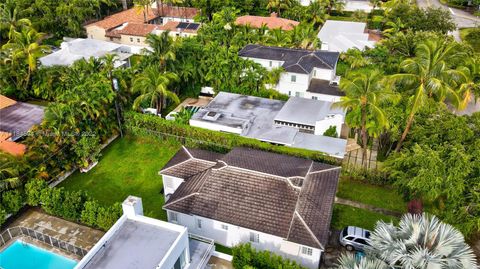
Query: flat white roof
x=306, y=111
x=136, y=244
x=343, y=35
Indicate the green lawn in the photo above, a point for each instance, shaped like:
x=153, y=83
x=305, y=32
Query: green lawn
x=128, y=166
x=223, y=249
x=378, y=196
x=351, y=216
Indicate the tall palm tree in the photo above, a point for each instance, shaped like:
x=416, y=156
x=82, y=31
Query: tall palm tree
x=349, y=261
x=278, y=37
x=429, y=75
x=354, y=58
x=163, y=49
x=421, y=241
x=142, y=6
x=364, y=93
x=10, y=169
x=9, y=18
x=278, y=5
x=154, y=87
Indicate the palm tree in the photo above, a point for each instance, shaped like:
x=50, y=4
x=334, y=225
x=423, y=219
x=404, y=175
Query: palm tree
x=142, y=6
x=354, y=58
x=278, y=37
x=153, y=86
x=364, y=95
x=421, y=241
x=163, y=49
x=428, y=75
x=9, y=18
x=25, y=46
x=316, y=11
x=278, y=5
x=394, y=27
x=10, y=169
x=349, y=261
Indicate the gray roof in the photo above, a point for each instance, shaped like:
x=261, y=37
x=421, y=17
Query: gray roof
x=19, y=118
x=255, y=190
x=324, y=87
x=295, y=60
x=136, y=245
x=306, y=111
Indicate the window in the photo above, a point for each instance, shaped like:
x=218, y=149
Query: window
x=225, y=227
x=173, y=216
x=314, y=98
x=314, y=73
x=181, y=261
x=254, y=237
x=307, y=251
x=360, y=241
x=270, y=64
x=349, y=238
x=199, y=223
x=297, y=94
x=138, y=40
x=131, y=39
x=289, y=93
x=293, y=78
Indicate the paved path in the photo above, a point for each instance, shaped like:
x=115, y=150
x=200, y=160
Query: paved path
x=367, y=207
x=462, y=18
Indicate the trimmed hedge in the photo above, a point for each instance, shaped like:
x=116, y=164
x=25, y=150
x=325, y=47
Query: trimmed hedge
x=244, y=256
x=144, y=124
x=76, y=206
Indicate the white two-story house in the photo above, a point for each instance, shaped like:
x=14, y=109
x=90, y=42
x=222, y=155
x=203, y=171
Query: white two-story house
x=308, y=74
x=276, y=202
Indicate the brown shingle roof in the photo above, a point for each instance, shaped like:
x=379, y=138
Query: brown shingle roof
x=238, y=194
x=134, y=15
x=188, y=162
x=272, y=22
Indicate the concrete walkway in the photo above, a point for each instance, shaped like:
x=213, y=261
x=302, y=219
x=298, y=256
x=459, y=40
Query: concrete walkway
x=384, y=211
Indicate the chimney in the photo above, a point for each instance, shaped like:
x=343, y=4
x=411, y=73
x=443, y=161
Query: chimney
x=132, y=206
x=273, y=15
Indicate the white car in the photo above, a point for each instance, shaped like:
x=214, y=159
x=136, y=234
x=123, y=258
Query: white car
x=354, y=238
x=150, y=110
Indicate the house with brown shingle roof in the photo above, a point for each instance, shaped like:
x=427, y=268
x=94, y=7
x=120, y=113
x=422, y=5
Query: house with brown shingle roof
x=129, y=26
x=275, y=202
x=272, y=22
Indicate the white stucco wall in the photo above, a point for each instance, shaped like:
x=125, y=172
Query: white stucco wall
x=323, y=125
x=170, y=184
x=235, y=235
x=215, y=127
x=268, y=64
x=322, y=97
x=95, y=32
x=286, y=86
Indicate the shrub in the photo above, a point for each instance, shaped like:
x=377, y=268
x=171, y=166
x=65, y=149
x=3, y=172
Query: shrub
x=13, y=201
x=89, y=213
x=331, y=131
x=33, y=190
x=244, y=256
x=3, y=215
x=142, y=124
x=52, y=200
x=73, y=205
x=108, y=216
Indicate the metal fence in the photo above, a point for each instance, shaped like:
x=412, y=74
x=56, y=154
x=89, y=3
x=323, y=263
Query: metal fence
x=14, y=232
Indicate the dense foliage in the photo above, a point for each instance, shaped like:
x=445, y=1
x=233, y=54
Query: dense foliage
x=245, y=256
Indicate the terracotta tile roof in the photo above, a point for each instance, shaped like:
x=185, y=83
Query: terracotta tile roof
x=134, y=15
x=135, y=29
x=272, y=22
x=13, y=148
x=6, y=102
x=276, y=194
x=5, y=135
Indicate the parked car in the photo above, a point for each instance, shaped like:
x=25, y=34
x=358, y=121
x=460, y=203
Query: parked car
x=354, y=238
x=152, y=111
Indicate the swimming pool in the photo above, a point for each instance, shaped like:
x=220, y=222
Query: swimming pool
x=27, y=256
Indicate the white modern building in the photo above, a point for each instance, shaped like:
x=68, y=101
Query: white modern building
x=81, y=48
x=139, y=242
x=308, y=74
x=299, y=122
x=341, y=36
x=276, y=202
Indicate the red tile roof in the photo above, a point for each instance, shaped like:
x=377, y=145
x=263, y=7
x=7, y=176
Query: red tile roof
x=135, y=29
x=134, y=15
x=272, y=22
x=13, y=148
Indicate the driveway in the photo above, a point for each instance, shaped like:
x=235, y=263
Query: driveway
x=462, y=18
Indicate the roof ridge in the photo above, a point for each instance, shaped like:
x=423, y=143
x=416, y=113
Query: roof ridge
x=316, y=56
x=308, y=229
x=325, y=170
x=180, y=199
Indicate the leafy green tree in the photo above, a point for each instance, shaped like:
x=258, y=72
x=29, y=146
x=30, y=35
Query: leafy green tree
x=10, y=19
x=364, y=94
x=106, y=217
x=163, y=50
x=13, y=201
x=354, y=58
x=421, y=241
x=331, y=131
x=33, y=190
x=418, y=19
x=11, y=168
x=3, y=215
x=89, y=214
x=154, y=87
x=429, y=75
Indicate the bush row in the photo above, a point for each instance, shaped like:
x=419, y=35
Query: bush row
x=245, y=256
x=143, y=124
x=75, y=206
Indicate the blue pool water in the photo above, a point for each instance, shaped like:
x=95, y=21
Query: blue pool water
x=20, y=255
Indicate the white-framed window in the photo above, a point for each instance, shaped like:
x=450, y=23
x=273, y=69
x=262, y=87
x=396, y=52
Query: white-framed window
x=307, y=251
x=131, y=39
x=289, y=93
x=225, y=227
x=173, y=216
x=270, y=63
x=314, y=98
x=199, y=223
x=314, y=73
x=293, y=78
x=138, y=40
x=254, y=237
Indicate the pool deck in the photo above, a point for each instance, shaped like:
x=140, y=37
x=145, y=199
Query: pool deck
x=199, y=102
x=73, y=233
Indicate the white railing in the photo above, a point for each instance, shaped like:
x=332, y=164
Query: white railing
x=19, y=231
x=207, y=253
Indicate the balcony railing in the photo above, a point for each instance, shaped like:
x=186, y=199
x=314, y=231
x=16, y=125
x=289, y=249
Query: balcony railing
x=207, y=245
